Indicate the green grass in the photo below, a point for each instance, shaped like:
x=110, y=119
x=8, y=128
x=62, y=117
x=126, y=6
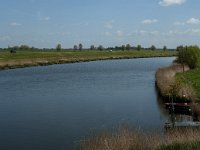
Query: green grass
x=178, y=146
x=20, y=55
x=192, y=78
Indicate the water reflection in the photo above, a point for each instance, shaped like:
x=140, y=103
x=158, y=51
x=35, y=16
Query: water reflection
x=178, y=114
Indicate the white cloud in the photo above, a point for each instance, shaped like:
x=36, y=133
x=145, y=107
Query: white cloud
x=183, y=32
x=119, y=33
x=42, y=17
x=171, y=2
x=173, y=32
x=149, y=21
x=108, y=34
x=15, y=24
x=143, y=32
x=46, y=18
x=192, y=31
x=193, y=21
x=108, y=26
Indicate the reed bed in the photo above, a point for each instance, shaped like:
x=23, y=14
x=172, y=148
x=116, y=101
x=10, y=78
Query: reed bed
x=126, y=139
x=169, y=85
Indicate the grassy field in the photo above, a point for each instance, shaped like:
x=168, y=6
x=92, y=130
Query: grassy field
x=34, y=58
x=4, y=56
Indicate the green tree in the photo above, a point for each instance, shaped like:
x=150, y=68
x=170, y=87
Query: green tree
x=153, y=48
x=24, y=47
x=179, y=48
x=128, y=47
x=117, y=48
x=100, y=47
x=80, y=47
x=58, y=47
x=123, y=47
x=189, y=56
x=139, y=47
x=92, y=47
x=164, y=48
x=75, y=47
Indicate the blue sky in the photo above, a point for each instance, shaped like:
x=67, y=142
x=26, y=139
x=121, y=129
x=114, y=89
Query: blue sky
x=44, y=23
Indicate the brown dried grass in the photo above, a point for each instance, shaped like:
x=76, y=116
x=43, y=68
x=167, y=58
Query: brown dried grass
x=167, y=84
x=137, y=140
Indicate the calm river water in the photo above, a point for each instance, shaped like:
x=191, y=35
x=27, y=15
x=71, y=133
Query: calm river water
x=53, y=107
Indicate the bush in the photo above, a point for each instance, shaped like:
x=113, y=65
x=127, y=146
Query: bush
x=189, y=56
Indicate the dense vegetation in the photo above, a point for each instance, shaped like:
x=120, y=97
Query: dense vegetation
x=81, y=47
x=189, y=56
x=181, y=80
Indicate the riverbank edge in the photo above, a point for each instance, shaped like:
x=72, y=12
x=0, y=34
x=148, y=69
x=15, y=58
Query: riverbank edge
x=46, y=62
x=167, y=84
x=166, y=81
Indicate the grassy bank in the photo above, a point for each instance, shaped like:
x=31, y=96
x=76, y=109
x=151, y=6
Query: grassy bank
x=173, y=81
x=34, y=58
x=183, y=83
x=169, y=85
x=191, y=78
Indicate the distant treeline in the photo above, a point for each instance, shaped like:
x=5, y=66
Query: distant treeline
x=80, y=47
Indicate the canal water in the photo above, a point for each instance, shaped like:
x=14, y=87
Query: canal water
x=54, y=107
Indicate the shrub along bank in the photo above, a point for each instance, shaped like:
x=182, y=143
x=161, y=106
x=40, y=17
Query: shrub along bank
x=181, y=79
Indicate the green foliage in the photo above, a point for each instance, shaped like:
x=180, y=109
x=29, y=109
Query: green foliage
x=179, y=48
x=189, y=56
x=21, y=48
x=75, y=47
x=80, y=46
x=92, y=47
x=139, y=47
x=153, y=48
x=58, y=47
x=100, y=47
x=123, y=47
x=128, y=47
x=164, y=48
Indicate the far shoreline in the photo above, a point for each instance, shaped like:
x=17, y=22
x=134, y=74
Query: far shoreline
x=41, y=61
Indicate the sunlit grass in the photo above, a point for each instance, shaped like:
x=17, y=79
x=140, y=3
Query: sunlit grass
x=192, y=78
x=82, y=54
x=34, y=58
